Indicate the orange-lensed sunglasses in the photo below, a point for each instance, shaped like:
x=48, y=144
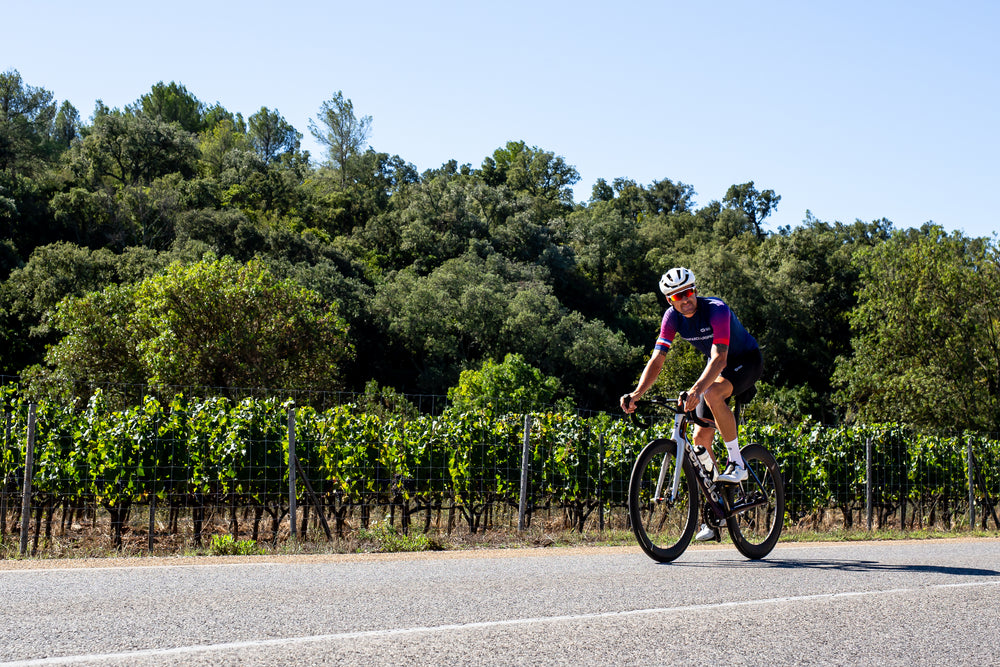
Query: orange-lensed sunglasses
x=683, y=294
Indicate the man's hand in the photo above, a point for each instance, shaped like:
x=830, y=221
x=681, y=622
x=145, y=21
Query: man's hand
x=693, y=398
x=628, y=405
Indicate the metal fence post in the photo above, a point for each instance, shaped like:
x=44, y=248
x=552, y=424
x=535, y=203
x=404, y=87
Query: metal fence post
x=972, y=478
x=152, y=523
x=868, y=482
x=901, y=445
x=600, y=480
x=3, y=491
x=292, y=509
x=525, y=464
x=29, y=463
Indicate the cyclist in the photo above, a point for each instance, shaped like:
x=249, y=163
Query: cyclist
x=734, y=364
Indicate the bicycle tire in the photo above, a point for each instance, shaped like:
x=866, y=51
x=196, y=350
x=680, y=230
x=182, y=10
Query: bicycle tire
x=663, y=529
x=755, y=531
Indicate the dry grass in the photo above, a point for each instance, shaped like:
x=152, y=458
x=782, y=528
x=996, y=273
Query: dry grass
x=91, y=537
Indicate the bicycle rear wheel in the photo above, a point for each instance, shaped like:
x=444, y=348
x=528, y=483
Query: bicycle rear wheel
x=663, y=527
x=756, y=530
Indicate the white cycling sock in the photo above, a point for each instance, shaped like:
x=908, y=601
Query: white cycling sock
x=734, y=452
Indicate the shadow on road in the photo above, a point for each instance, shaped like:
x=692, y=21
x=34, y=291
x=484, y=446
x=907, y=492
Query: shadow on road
x=847, y=566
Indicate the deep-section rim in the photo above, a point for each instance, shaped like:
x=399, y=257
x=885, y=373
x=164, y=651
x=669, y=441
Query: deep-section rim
x=667, y=553
x=762, y=461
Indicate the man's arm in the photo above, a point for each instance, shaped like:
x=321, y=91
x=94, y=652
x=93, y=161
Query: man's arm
x=716, y=363
x=646, y=380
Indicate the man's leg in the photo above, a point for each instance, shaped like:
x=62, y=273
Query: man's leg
x=703, y=437
x=716, y=397
x=715, y=400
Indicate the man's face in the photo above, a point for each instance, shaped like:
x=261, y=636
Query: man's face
x=685, y=302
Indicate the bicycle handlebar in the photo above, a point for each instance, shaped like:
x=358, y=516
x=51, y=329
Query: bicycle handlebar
x=673, y=406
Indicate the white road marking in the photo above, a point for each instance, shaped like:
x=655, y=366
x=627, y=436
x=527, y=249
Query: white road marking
x=457, y=627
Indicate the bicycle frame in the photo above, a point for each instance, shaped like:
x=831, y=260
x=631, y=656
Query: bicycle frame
x=716, y=500
x=707, y=485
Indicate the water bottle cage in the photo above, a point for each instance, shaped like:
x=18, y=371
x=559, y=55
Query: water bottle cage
x=705, y=477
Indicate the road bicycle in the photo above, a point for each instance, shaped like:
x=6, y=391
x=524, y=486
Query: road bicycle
x=671, y=475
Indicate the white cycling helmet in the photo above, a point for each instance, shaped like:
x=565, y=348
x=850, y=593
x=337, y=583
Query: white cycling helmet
x=675, y=280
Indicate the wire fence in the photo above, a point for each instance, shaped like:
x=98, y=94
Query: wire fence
x=167, y=472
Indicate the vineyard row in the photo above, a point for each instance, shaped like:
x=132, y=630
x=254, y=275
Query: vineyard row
x=482, y=470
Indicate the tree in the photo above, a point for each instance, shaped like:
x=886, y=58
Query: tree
x=756, y=205
x=513, y=384
x=433, y=222
x=633, y=200
x=447, y=319
x=26, y=116
x=220, y=142
x=133, y=149
x=812, y=273
x=212, y=323
x=172, y=103
x=67, y=125
x=542, y=175
x=607, y=248
x=665, y=196
x=926, y=344
x=344, y=134
x=472, y=308
x=594, y=360
x=60, y=270
x=54, y=272
x=217, y=113
x=86, y=217
x=25, y=216
x=601, y=191
x=98, y=345
x=272, y=136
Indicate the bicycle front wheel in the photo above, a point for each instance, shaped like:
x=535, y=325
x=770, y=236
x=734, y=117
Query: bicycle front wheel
x=662, y=525
x=756, y=529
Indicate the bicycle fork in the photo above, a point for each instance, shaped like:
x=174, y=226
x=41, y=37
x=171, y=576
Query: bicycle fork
x=679, y=441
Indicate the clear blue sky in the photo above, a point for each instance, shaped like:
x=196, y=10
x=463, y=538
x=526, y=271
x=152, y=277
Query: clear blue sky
x=850, y=109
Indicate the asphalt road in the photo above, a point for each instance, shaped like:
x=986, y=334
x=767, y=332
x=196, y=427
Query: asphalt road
x=888, y=603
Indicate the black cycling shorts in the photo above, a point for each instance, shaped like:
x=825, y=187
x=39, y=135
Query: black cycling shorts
x=742, y=372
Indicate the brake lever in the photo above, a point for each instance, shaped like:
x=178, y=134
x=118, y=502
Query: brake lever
x=692, y=414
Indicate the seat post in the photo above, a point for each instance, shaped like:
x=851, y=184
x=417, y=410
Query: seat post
x=740, y=401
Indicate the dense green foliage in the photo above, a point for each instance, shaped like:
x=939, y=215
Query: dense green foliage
x=209, y=322
x=104, y=223
x=927, y=341
x=513, y=382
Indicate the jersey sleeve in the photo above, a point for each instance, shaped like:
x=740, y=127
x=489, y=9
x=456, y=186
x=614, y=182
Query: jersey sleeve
x=668, y=330
x=720, y=324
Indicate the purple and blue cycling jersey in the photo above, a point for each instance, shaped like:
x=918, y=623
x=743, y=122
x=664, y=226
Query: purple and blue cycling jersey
x=713, y=323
